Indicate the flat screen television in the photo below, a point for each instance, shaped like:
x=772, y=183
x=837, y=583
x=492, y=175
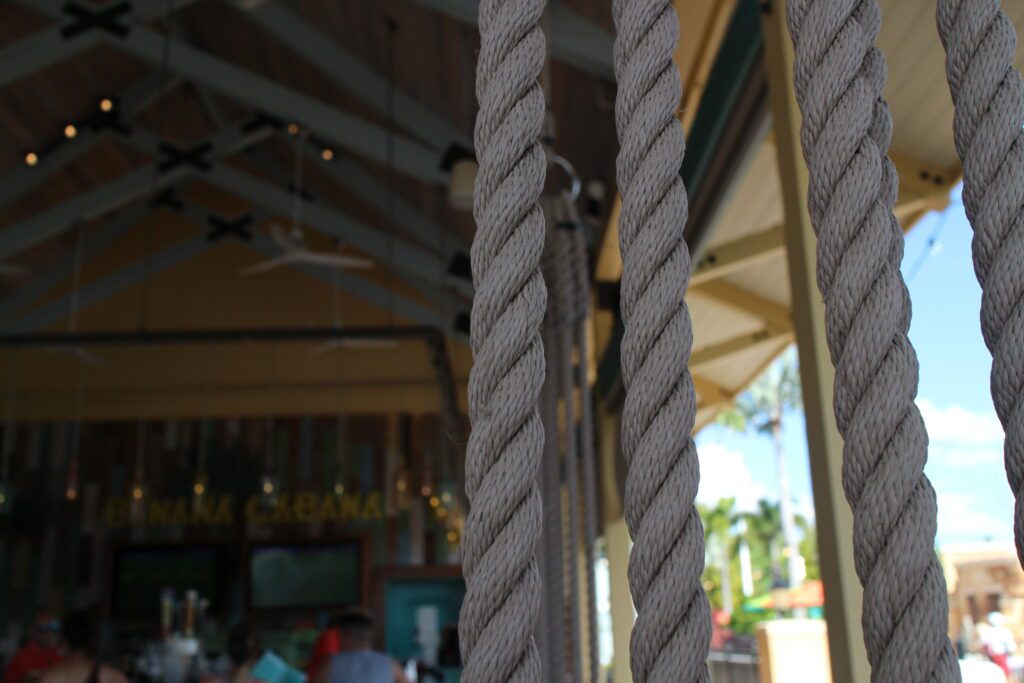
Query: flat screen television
x=141, y=572
x=305, y=575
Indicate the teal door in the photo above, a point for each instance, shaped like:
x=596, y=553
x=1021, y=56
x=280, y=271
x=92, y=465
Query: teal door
x=418, y=612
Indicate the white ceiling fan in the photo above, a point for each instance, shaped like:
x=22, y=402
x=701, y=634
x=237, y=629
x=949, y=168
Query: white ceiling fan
x=294, y=251
x=293, y=243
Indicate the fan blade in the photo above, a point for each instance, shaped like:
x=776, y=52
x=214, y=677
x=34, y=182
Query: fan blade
x=269, y=264
x=336, y=260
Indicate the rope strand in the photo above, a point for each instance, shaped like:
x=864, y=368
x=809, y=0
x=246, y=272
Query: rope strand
x=673, y=628
x=988, y=93
x=838, y=75
x=503, y=586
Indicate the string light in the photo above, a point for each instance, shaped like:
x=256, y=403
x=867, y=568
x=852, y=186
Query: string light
x=434, y=501
x=31, y=159
x=137, y=492
x=71, y=493
x=199, y=489
x=70, y=131
x=442, y=513
x=327, y=154
x=3, y=497
x=293, y=129
x=106, y=104
x=425, y=490
x=400, y=484
x=339, y=489
x=268, y=487
x=452, y=537
x=446, y=497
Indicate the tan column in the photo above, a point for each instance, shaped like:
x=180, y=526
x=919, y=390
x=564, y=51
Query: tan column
x=833, y=517
x=617, y=543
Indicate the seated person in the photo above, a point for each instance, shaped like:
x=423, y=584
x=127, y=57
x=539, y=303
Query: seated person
x=82, y=663
x=243, y=649
x=356, y=661
x=39, y=653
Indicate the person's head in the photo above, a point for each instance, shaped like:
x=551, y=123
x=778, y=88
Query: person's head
x=355, y=629
x=243, y=644
x=45, y=630
x=82, y=631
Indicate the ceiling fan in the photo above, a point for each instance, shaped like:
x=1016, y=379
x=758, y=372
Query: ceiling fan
x=293, y=243
x=294, y=251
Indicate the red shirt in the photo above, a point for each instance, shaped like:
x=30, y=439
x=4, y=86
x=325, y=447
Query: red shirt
x=30, y=658
x=327, y=645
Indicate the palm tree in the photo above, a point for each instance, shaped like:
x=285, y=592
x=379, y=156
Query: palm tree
x=762, y=408
x=718, y=522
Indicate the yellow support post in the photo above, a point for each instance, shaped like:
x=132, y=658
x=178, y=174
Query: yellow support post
x=833, y=517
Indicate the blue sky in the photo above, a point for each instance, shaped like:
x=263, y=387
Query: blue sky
x=965, y=456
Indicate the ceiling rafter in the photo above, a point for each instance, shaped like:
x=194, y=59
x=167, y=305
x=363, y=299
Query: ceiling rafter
x=571, y=38
x=776, y=317
x=339, y=128
x=722, y=259
x=352, y=74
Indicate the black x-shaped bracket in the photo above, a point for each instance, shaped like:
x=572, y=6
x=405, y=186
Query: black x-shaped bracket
x=197, y=156
x=108, y=120
x=84, y=18
x=168, y=199
x=261, y=120
x=229, y=227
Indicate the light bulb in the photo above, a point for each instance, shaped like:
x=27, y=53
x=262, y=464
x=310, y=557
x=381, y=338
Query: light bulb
x=425, y=490
x=446, y=497
x=442, y=513
x=452, y=537
x=199, y=489
x=137, y=493
x=327, y=154
x=434, y=501
x=400, y=484
x=106, y=104
x=339, y=489
x=70, y=131
x=268, y=487
x=293, y=129
x=71, y=493
x=31, y=159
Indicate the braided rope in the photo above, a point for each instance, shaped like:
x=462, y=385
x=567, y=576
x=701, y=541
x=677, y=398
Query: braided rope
x=838, y=76
x=551, y=483
x=989, y=96
x=503, y=587
x=580, y=261
x=673, y=628
x=562, y=287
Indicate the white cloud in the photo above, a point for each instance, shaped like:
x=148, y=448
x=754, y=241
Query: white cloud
x=724, y=474
x=956, y=425
x=962, y=438
x=961, y=516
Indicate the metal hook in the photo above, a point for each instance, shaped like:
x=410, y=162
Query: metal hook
x=563, y=163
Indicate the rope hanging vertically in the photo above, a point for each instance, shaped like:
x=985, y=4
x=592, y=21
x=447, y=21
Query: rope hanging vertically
x=555, y=631
x=988, y=93
x=580, y=262
x=838, y=76
x=503, y=587
x=673, y=628
x=564, y=283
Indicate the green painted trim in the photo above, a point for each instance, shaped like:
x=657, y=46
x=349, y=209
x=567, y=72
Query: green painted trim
x=740, y=52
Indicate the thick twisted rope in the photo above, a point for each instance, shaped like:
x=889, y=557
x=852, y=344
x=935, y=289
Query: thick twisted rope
x=673, y=628
x=989, y=96
x=580, y=262
x=551, y=486
x=562, y=285
x=846, y=131
x=503, y=588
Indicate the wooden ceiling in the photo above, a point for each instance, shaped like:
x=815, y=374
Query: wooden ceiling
x=434, y=54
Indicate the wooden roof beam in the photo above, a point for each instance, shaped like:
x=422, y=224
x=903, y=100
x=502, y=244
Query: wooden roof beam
x=720, y=260
x=571, y=38
x=776, y=317
x=709, y=354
